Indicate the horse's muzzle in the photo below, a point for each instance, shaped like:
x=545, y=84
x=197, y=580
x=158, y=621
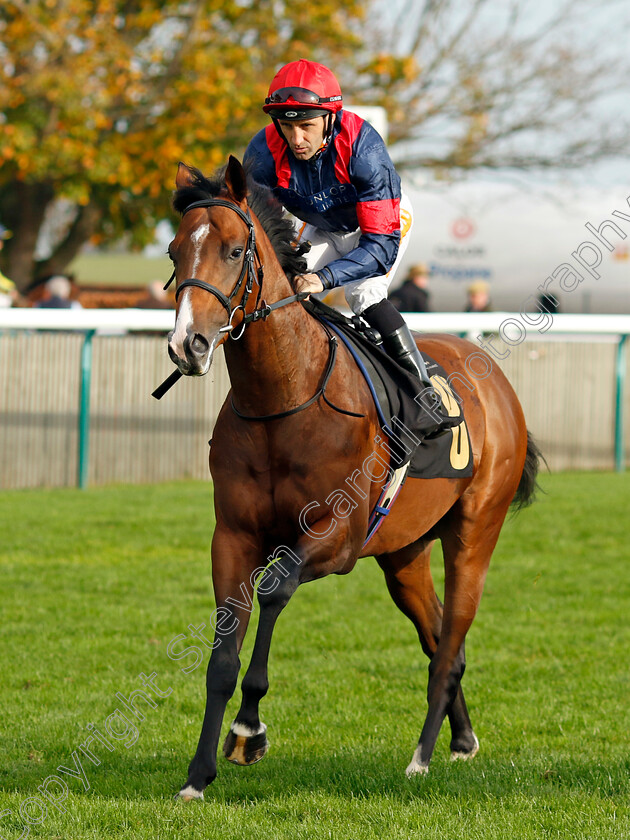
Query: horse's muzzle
x=193, y=355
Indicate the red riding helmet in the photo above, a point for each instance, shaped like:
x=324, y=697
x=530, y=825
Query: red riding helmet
x=301, y=90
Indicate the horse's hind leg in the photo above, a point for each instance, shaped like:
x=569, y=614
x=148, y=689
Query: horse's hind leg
x=469, y=534
x=408, y=576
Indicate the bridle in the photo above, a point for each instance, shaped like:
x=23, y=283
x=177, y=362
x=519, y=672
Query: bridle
x=248, y=269
x=248, y=275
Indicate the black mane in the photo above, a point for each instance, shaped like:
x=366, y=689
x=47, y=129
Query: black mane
x=267, y=208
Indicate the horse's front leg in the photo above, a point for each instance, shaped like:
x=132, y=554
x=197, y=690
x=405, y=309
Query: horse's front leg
x=246, y=742
x=233, y=566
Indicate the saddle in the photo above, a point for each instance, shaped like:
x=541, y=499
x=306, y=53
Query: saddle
x=407, y=412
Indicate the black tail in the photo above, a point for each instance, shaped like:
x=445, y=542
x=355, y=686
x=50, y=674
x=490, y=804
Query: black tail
x=528, y=485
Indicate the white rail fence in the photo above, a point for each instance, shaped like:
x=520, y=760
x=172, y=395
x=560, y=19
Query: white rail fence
x=76, y=406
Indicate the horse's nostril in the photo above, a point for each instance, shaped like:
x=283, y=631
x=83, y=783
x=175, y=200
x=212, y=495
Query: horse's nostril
x=199, y=345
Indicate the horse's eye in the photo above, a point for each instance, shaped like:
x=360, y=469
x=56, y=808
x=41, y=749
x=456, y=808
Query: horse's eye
x=236, y=254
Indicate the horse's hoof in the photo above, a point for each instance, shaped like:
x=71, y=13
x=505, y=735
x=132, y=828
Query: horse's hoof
x=244, y=745
x=466, y=755
x=418, y=767
x=189, y=794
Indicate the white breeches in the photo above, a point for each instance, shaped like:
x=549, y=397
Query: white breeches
x=326, y=247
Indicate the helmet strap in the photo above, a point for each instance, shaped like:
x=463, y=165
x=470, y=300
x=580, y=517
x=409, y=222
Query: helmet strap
x=279, y=130
x=329, y=128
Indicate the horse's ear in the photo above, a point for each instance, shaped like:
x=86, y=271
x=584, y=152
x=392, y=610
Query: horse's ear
x=185, y=176
x=235, y=179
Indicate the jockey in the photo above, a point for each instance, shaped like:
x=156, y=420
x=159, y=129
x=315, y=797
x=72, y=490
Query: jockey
x=331, y=170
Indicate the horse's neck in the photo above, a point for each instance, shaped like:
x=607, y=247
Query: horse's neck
x=278, y=362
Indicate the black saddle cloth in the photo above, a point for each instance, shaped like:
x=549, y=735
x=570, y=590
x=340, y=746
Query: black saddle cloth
x=404, y=410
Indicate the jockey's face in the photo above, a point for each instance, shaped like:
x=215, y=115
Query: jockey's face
x=305, y=138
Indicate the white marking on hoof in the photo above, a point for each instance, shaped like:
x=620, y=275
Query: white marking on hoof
x=246, y=731
x=416, y=769
x=466, y=756
x=189, y=793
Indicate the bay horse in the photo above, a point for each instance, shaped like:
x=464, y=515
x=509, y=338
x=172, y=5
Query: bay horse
x=284, y=445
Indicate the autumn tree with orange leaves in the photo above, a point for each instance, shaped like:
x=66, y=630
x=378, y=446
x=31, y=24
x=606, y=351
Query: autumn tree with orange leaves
x=100, y=100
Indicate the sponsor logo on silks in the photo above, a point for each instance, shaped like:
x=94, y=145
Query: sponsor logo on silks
x=334, y=196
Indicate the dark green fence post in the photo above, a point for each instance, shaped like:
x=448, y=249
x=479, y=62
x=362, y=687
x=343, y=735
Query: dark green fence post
x=84, y=409
x=620, y=461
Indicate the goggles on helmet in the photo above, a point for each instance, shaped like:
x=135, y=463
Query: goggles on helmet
x=298, y=94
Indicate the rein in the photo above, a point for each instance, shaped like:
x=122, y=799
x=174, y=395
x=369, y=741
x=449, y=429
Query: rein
x=332, y=355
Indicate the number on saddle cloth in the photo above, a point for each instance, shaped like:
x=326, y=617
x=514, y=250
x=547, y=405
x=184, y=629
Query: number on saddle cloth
x=404, y=411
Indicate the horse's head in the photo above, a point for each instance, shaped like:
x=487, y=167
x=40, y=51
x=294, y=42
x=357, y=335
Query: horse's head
x=213, y=254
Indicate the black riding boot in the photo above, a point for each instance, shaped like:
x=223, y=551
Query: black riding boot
x=397, y=339
x=401, y=346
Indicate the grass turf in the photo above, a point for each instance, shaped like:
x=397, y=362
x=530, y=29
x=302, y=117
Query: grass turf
x=95, y=584
x=120, y=269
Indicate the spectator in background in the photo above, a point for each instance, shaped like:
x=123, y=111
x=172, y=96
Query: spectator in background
x=548, y=303
x=8, y=292
x=57, y=290
x=413, y=295
x=478, y=297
